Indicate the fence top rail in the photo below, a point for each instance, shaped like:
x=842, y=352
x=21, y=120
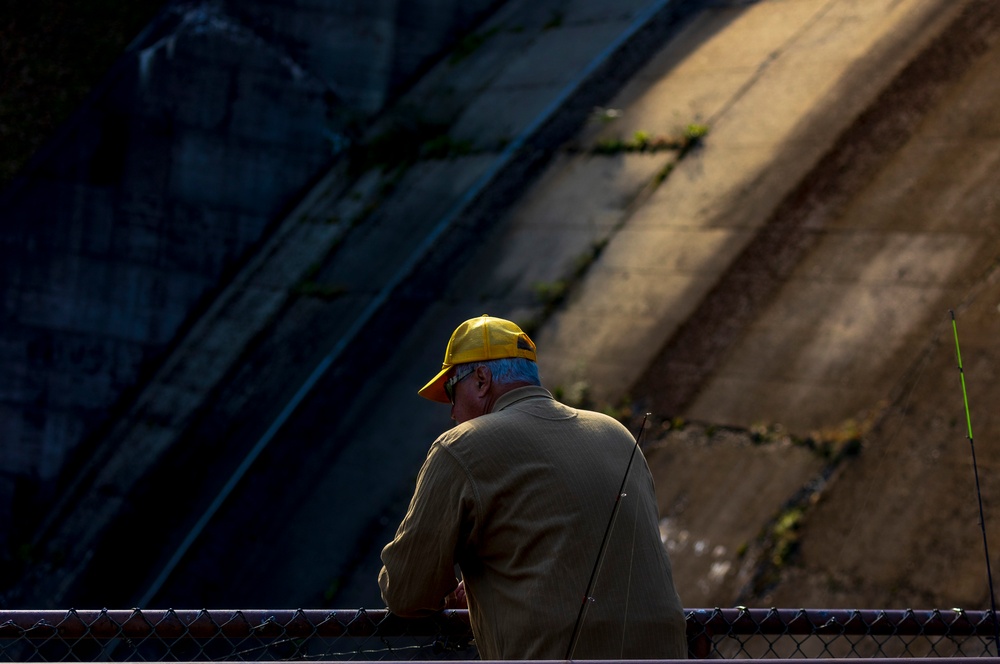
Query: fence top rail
x=771, y=660
x=233, y=623
x=906, y=622
x=799, y=660
x=266, y=623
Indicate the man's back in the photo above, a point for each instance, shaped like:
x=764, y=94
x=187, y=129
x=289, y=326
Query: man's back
x=543, y=479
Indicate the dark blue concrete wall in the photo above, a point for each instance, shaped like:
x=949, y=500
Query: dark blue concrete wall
x=212, y=124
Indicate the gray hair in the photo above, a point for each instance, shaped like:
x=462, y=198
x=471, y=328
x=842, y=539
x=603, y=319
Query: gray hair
x=511, y=370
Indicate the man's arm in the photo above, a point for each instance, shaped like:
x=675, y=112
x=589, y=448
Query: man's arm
x=418, y=572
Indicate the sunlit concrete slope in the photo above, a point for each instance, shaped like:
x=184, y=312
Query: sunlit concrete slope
x=917, y=237
x=776, y=83
x=833, y=323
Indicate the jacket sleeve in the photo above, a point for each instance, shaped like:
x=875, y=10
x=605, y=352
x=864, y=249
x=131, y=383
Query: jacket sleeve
x=418, y=570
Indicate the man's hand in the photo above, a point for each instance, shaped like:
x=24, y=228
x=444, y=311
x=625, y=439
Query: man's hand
x=457, y=599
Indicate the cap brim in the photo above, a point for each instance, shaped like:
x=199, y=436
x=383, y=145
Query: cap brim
x=434, y=390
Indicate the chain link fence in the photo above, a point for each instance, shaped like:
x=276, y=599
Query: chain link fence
x=740, y=633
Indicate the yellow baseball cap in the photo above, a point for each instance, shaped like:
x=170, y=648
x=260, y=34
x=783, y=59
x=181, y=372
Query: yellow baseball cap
x=476, y=340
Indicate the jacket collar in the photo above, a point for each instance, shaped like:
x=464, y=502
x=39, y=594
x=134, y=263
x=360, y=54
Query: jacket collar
x=520, y=394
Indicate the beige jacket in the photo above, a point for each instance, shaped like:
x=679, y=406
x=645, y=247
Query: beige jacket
x=520, y=499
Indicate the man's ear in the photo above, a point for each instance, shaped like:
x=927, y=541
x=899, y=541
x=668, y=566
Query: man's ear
x=484, y=379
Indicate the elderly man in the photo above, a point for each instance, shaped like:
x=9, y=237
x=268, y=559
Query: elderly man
x=519, y=496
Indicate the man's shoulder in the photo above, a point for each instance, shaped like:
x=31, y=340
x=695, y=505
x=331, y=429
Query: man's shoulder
x=473, y=436
x=600, y=419
x=452, y=436
x=467, y=433
x=471, y=430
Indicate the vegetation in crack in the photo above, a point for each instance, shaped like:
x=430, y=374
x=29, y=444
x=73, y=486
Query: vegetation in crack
x=469, y=44
x=556, y=18
x=404, y=141
x=550, y=295
x=645, y=141
x=777, y=545
x=310, y=286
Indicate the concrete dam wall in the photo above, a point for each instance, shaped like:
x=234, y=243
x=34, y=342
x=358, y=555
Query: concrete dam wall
x=780, y=286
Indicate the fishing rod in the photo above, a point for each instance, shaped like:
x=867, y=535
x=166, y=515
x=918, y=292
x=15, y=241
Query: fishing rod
x=979, y=495
x=587, y=596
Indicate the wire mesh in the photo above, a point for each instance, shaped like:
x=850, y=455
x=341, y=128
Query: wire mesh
x=294, y=635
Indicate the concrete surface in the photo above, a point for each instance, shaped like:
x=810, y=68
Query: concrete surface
x=923, y=240
x=765, y=129
x=781, y=83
